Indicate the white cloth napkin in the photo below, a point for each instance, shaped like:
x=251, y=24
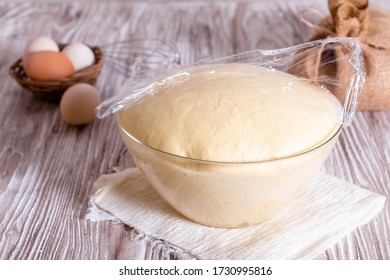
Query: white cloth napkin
x=324, y=214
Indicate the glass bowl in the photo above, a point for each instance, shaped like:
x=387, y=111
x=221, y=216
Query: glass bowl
x=226, y=194
x=239, y=194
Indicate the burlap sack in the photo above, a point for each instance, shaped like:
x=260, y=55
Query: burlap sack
x=371, y=26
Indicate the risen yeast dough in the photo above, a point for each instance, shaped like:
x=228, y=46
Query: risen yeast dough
x=233, y=113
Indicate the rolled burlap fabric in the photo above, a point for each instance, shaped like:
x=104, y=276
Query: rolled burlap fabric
x=371, y=26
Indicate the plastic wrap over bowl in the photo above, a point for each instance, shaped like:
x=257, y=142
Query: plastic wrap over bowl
x=238, y=193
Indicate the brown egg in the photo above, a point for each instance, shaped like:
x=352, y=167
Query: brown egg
x=47, y=65
x=78, y=104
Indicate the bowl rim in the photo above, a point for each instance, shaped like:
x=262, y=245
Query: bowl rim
x=330, y=138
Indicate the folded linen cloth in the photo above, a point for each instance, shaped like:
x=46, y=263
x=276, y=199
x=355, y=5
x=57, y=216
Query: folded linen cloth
x=324, y=214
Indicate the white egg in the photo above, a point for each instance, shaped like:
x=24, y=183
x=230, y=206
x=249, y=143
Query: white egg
x=41, y=44
x=81, y=55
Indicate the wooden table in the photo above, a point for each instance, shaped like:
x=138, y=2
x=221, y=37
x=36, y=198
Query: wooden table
x=47, y=168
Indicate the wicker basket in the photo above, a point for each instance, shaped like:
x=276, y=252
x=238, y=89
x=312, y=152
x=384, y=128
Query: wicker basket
x=52, y=90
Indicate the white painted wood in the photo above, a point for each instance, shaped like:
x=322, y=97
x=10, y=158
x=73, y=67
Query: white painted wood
x=47, y=167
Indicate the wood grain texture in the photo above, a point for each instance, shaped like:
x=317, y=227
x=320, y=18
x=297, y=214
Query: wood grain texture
x=47, y=168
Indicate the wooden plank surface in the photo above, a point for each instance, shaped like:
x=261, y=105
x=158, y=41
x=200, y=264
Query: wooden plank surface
x=47, y=167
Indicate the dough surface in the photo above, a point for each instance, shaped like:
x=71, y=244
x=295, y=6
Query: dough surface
x=233, y=113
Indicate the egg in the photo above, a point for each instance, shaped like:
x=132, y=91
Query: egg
x=38, y=44
x=47, y=65
x=41, y=44
x=80, y=54
x=77, y=105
